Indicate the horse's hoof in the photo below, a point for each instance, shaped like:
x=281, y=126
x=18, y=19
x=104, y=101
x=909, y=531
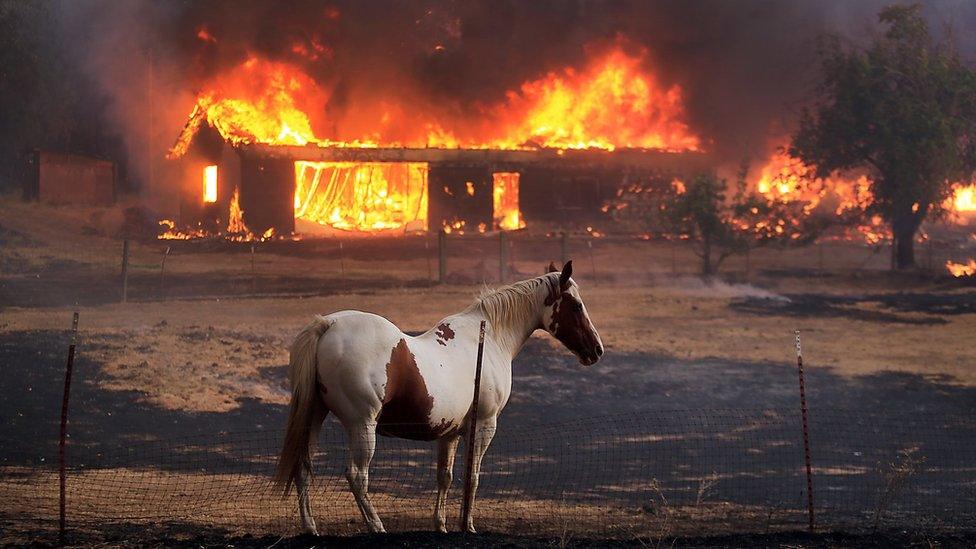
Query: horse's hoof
x=471, y=529
x=442, y=528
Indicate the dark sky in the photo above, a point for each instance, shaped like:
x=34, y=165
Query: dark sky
x=746, y=66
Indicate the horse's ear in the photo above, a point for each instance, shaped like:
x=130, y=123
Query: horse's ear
x=564, y=276
x=552, y=268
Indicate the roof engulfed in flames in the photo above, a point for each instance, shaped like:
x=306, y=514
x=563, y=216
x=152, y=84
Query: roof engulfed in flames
x=611, y=102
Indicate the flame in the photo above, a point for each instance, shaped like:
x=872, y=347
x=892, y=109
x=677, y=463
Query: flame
x=961, y=269
x=505, y=200
x=172, y=233
x=362, y=196
x=964, y=198
x=210, y=184
x=235, y=220
x=611, y=103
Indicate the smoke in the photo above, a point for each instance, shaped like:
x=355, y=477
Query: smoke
x=715, y=288
x=746, y=68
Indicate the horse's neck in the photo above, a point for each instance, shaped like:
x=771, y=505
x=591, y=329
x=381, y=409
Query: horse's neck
x=511, y=336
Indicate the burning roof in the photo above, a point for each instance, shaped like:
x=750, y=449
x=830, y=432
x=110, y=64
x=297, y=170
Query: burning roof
x=609, y=103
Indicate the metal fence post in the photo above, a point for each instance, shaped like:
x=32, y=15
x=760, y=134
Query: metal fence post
x=466, y=504
x=806, y=431
x=62, y=473
x=125, y=270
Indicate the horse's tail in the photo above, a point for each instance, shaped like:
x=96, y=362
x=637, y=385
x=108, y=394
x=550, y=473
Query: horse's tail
x=295, y=452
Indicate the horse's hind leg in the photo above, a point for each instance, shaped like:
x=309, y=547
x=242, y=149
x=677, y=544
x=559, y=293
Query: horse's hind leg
x=362, y=445
x=303, y=481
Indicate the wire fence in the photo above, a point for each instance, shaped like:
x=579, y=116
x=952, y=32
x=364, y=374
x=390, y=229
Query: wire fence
x=650, y=475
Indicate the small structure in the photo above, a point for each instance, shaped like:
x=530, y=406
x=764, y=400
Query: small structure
x=70, y=179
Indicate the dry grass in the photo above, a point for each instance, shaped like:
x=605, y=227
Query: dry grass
x=205, y=354
x=243, y=504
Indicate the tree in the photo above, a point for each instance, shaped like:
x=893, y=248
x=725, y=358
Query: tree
x=717, y=227
x=720, y=228
x=902, y=111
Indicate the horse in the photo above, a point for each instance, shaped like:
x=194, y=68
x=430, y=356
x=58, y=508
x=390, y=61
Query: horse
x=377, y=379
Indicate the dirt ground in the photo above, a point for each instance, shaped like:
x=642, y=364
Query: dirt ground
x=202, y=349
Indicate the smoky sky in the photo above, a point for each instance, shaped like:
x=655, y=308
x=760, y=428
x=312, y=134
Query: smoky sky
x=746, y=67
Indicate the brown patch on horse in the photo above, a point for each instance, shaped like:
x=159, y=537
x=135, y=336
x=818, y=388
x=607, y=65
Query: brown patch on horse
x=444, y=333
x=406, y=401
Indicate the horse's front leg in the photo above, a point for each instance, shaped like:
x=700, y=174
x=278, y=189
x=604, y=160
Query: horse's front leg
x=482, y=438
x=362, y=445
x=446, y=450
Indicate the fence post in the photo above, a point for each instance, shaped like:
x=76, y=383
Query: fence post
x=502, y=256
x=472, y=429
x=125, y=270
x=430, y=273
x=162, y=274
x=254, y=282
x=806, y=431
x=564, y=248
x=62, y=473
x=442, y=256
x=342, y=261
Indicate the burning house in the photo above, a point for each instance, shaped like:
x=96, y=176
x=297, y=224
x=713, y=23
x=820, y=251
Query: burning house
x=253, y=165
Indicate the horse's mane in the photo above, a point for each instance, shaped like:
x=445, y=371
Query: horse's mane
x=504, y=306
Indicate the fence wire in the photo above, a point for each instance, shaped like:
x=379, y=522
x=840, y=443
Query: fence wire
x=643, y=475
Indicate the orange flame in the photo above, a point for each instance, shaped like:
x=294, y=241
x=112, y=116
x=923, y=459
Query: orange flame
x=362, y=196
x=961, y=269
x=611, y=102
x=505, y=199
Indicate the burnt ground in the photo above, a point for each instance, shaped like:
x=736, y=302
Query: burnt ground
x=549, y=388
x=175, y=536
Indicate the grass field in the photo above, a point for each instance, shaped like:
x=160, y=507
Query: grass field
x=208, y=341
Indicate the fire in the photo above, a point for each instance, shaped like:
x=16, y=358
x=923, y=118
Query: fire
x=611, y=103
x=258, y=102
x=964, y=198
x=172, y=233
x=505, y=199
x=210, y=184
x=235, y=220
x=961, y=269
x=362, y=196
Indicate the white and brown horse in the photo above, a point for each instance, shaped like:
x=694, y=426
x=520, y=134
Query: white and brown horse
x=376, y=379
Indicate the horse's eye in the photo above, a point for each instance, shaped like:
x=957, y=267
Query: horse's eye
x=578, y=307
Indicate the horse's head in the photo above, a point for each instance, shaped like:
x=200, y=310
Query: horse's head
x=565, y=317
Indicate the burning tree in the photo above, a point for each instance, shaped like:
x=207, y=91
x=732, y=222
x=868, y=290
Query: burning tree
x=902, y=111
x=717, y=226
